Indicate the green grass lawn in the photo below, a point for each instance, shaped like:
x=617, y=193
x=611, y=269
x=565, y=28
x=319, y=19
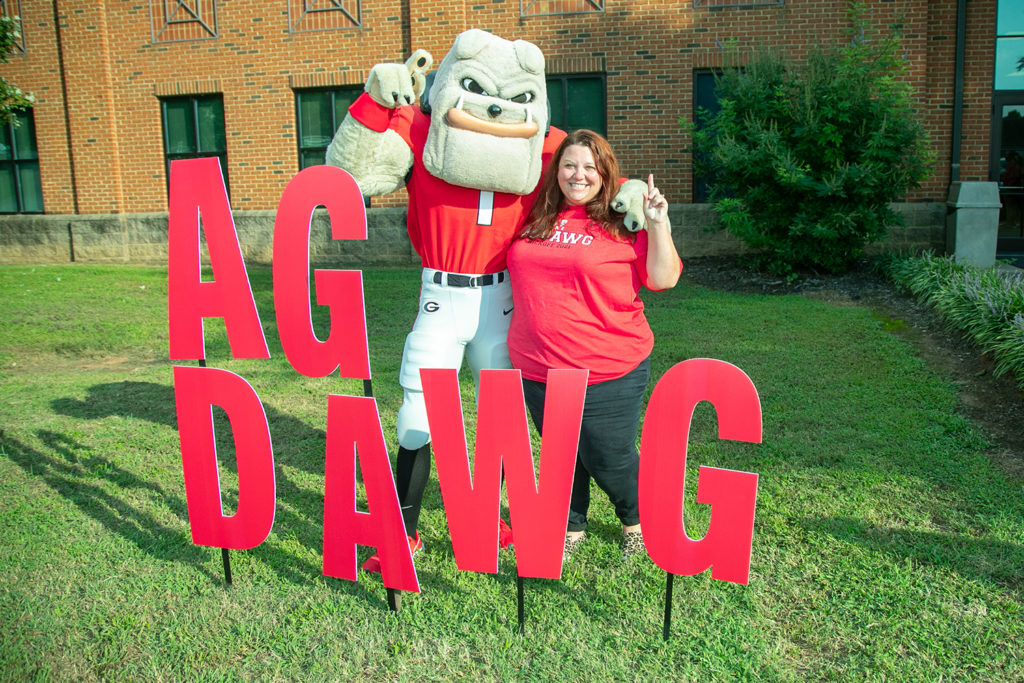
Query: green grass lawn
x=886, y=545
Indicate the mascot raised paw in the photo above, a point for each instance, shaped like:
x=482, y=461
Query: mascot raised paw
x=470, y=156
x=630, y=201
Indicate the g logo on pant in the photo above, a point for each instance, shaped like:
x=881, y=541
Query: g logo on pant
x=431, y=307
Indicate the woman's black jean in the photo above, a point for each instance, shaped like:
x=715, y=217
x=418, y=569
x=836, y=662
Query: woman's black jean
x=607, y=449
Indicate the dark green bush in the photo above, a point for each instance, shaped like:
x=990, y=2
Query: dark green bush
x=805, y=158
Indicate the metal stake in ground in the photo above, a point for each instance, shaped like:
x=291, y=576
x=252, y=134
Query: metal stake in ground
x=519, y=601
x=225, y=554
x=668, y=606
x=394, y=600
x=226, y=558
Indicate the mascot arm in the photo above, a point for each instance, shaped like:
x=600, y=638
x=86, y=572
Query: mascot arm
x=379, y=161
x=377, y=157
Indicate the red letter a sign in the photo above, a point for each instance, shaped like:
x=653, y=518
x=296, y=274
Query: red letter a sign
x=197, y=188
x=353, y=427
x=726, y=546
x=196, y=390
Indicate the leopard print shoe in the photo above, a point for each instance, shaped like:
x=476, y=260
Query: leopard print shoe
x=633, y=543
x=571, y=544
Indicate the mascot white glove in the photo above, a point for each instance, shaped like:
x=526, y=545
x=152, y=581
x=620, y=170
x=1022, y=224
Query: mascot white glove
x=394, y=85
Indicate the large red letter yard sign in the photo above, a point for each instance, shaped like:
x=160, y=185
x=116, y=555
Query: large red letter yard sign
x=353, y=428
x=197, y=190
x=538, y=500
x=726, y=546
x=538, y=505
x=196, y=391
x=340, y=290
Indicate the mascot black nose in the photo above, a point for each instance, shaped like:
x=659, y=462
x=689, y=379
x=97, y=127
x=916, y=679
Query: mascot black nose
x=494, y=110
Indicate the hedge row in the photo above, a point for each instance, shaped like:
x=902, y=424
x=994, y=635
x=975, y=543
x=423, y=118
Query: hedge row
x=986, y=304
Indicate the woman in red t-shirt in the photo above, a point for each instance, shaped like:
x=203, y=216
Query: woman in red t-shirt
x=576, y=274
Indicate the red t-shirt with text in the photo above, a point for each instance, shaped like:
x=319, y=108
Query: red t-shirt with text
x=577, y=302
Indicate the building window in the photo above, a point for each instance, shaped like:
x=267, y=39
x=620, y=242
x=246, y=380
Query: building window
x=544, y=8
x=11, y=10
x=21, y=190
x=194, y=127
x=1006, y=152
x=705, y=106
x=319, y=112
x=1010, y=45
x=578, y=101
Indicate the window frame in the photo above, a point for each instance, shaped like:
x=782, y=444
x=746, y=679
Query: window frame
x=741, y=4
x=304, y=17
x=564, y=80
x=336, y=119
x=169, y=156
x=583, y=7
x=24, y=117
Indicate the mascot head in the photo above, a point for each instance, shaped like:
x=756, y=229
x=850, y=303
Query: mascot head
x=488, y=114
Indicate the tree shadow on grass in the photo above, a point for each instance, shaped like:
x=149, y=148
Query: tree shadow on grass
x=298, y=512
x=143, y=400
x=986, y=561
x=79, y=479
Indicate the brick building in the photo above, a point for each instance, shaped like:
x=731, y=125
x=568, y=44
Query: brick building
x=124, y=86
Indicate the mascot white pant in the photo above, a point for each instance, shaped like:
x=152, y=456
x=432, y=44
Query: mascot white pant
x=460, y=317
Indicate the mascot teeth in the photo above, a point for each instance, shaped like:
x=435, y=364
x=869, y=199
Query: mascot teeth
x=457, y=117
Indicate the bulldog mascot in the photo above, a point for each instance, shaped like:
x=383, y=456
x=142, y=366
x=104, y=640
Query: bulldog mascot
x=470, y=157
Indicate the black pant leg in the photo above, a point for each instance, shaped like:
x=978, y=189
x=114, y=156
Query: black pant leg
x=413, y=472
x=611, y=421
x=579, y=501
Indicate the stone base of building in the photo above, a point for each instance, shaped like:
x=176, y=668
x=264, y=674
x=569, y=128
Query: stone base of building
x=141, y=239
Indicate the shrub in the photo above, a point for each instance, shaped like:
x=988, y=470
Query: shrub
x=987, y=305
x=804, y=159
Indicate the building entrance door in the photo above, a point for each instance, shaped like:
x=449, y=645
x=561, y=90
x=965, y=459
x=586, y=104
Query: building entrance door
x=1007, y=168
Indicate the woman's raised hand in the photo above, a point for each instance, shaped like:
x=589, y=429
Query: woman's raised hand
x=655, y=204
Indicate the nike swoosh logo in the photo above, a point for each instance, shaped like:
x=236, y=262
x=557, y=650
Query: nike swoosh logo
x=508, y=311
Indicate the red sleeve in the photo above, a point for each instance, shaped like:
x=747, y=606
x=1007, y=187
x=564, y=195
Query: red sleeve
x=552, y=139
x=371, y=114
x=379, y=118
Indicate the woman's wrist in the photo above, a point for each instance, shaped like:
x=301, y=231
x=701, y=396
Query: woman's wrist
x=659, y=225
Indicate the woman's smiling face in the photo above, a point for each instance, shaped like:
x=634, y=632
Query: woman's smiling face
x=578, y=176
